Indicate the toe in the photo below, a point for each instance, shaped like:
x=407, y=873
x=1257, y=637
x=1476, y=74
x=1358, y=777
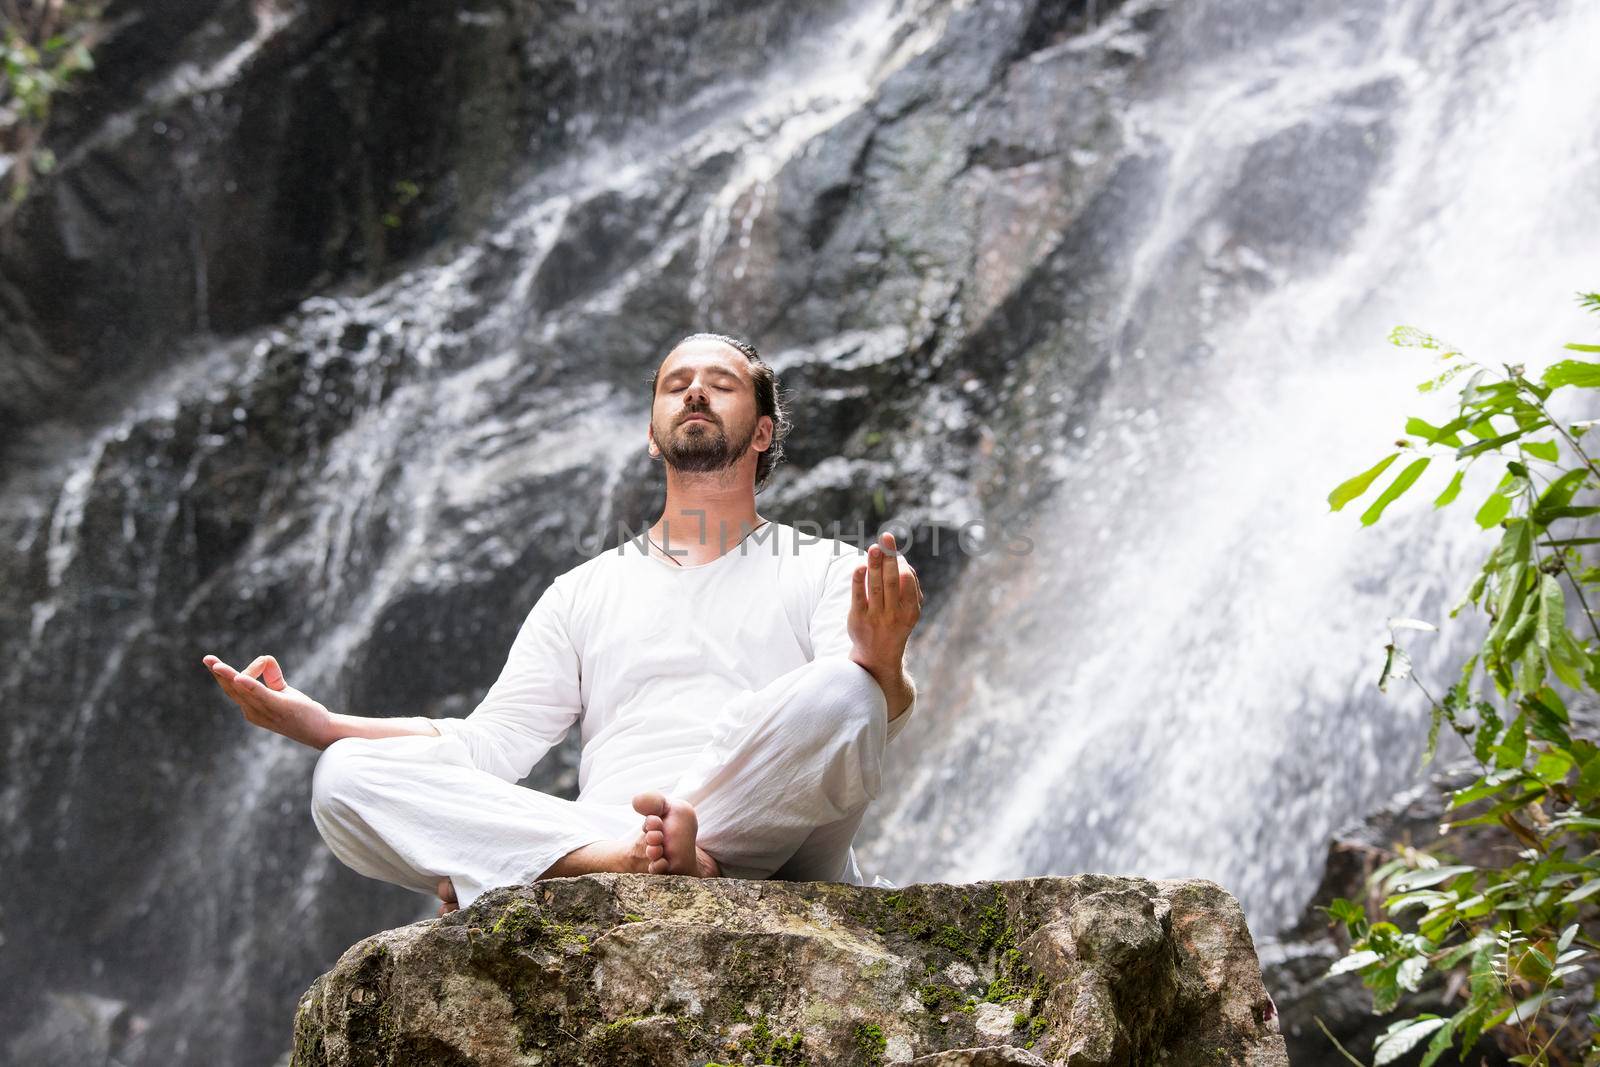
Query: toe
x=650, y=804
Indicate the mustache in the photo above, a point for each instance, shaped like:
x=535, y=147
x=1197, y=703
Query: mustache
x=689, y=413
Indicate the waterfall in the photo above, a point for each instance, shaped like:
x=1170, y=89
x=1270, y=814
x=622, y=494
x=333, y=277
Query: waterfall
x=1179, y=680
x=1105, y=284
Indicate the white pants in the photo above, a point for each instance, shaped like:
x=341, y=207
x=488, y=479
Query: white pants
x=779, y=791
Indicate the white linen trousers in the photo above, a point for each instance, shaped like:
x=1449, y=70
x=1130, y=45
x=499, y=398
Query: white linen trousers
x=778, y=791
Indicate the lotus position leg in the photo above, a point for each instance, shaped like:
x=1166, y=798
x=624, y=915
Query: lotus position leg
x=789, y=769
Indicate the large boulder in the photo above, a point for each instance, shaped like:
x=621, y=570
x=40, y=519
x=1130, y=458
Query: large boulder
x=1091, y=971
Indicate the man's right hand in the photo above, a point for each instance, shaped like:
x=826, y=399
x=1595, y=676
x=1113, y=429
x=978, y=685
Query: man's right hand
x=270, y=702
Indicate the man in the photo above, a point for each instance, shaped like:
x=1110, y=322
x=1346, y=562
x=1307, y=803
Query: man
x=734, y=678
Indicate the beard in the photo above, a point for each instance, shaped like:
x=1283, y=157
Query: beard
x=697, y=448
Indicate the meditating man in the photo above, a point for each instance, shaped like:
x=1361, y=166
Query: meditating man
x=734, y=681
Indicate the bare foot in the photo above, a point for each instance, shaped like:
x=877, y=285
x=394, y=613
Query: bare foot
x=664, y=845
x=669, y=832
x=447, y=894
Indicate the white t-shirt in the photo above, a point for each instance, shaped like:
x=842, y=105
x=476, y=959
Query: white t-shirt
x=643, y=654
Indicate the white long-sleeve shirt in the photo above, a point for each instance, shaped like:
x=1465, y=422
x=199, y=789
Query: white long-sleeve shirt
x=642, y=654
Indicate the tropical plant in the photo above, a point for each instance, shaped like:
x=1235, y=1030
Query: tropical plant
x=1511, y=934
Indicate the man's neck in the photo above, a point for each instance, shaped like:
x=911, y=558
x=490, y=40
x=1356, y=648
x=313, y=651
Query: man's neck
x=704, y=517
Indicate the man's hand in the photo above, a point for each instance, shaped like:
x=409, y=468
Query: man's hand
x=270, y=702
x=885, y=604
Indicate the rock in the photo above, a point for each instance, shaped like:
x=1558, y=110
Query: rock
x=978, y=1057
x=604, y=969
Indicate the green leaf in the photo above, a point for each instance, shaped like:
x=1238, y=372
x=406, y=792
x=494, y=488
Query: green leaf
x=1548, y=451
x=1552, y=610
x=1581, y=373
x=1451, y=491
x=1434, y=719
x=1403, y=1041
x=1354, y=487
x=1549, y=515
x=1495, y=442
x=1443, y=379
x=1522, y=632
x=1439, y=1045
x=1346, y=911
x=1487, y=735
x=1588, y=787
x=1576, y=347
x=1583, y=892
x=1494, y=509
x=1423, y=879
x=1401, y=483
x=1508, y=606
x=1354, y=962
x=1561, y=491
x=1396, y=667
x=1426, y=899
x=1435, y=435
x=1511, y=752
x=1412, y=337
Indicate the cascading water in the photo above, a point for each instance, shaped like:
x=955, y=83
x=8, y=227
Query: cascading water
x=1178, y=680
x=1111, y=279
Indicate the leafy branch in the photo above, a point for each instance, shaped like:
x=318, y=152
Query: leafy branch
x=1512, y=934
x=45, y=45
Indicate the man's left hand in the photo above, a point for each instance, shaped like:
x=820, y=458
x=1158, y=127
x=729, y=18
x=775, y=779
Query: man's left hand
x=885, y=604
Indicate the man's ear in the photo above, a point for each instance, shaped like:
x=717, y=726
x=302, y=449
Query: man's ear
x=650, y=443
x=763, y=436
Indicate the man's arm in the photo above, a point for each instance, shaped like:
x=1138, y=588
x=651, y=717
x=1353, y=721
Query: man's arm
x=533, y=703
x=527, y=710
x=270, y=702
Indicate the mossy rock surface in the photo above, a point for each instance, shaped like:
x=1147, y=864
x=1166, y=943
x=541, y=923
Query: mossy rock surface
x=1090, y=971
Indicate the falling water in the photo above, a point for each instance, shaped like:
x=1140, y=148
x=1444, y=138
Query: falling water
x=1179, y=680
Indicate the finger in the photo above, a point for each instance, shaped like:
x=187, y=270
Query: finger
x=250, y=691
x=257, y=697
x=874, y=578
x=209, y=660
x=225, y=676
x=858, y=590
x=273, y=675
x=916, y=581
x=891, y=577
x=910, y=598
x=266, y=668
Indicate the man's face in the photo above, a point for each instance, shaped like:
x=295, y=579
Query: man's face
x=704, y=416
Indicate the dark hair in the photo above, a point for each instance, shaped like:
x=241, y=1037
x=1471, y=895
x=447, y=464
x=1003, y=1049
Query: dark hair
x=769, y=400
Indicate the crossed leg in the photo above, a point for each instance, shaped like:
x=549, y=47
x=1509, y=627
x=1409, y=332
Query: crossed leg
x=648, y=852
x=801, y=755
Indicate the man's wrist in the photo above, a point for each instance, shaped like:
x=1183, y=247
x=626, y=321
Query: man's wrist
x=341, y=726
x=898, y=689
